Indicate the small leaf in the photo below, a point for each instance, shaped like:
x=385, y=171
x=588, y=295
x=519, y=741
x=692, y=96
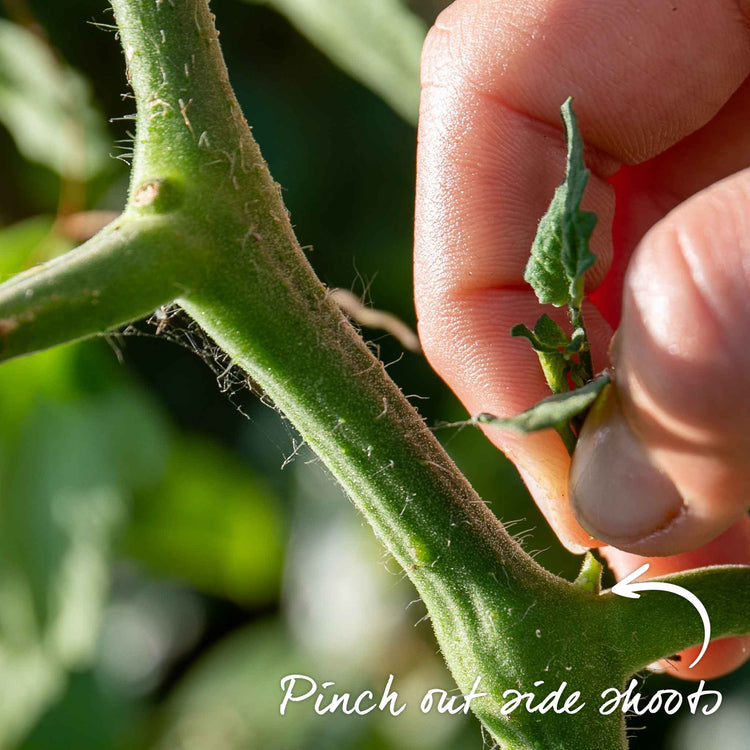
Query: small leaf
x=547, y=339
x=560, y=254
x=177, y=529
x=578, y=225
x=523, y=331
x=549, y=333
x=590, y=577
x=557, y=409
x=577, y=342
x=547, y=336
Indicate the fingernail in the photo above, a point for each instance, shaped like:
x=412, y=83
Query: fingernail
x=617, y=493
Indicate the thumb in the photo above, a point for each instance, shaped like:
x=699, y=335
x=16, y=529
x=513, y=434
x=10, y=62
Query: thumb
x=661, y=466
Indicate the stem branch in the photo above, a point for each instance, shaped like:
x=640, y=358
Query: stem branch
x=124, y=272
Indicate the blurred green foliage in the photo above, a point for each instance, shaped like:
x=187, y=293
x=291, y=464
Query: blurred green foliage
x=378, y=42
x=159, y=572
x=176, y=527
x=46, y=106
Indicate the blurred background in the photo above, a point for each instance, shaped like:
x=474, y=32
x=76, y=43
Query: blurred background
x=166, y=554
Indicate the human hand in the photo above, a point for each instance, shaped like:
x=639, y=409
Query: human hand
x=662, y=99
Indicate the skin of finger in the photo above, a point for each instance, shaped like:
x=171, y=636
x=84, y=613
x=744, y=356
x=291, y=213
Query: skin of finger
x=624, y=62
x=715, y=151
x=471, y=94
x=480, y=196
x=617, y=493
x=468, y=139
x=526, y=59
x=647, y=192
x=730, y=548
x=682, y=362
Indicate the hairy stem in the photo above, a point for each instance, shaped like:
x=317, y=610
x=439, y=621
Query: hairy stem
x=649, y=626
x=121, y=274
x=576, y=319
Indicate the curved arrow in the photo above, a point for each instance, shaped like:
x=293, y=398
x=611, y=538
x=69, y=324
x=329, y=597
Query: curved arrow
x=628, y=589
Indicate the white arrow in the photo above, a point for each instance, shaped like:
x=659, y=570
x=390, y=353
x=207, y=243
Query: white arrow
x=627, y=588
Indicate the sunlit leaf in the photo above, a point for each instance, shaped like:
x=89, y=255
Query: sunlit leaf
x=560, y=254
x=549, y=333
x=554, y=410
x=69, y=459
x=551, y=344
x=19, y=241
x=378, y=42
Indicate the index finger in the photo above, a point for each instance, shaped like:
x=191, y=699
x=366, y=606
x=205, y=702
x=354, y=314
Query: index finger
x=491, y=152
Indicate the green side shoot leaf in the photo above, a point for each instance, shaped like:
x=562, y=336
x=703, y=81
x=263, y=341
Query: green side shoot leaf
x=547, y=336
x=549, y=333
x=590, y=577
x=560, y=254
x=557, y=409
x=560, y=257
x=557, y=352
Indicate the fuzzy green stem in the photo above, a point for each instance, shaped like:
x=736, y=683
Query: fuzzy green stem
x=566, y=434
x=487, y=599
x=263, y=305
x=557, y=380
x=121, y=274
x=576, y=319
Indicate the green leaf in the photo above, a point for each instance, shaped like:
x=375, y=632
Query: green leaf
x=547, y=336
x=233, y=548
x=27, y=243
x=590, y=577
x=47, y=108
x=523, y=331
x=547, y=339
x=377, y=42
x=549, y=333
x=18, y=241
x=69, y=459
x=560, y=254
x=557, y=409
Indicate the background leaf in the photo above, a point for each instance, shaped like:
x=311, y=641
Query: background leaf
x=230, y=547
x=68, y=463
x=29, y=242
x=47, y=108
x=378, y=42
